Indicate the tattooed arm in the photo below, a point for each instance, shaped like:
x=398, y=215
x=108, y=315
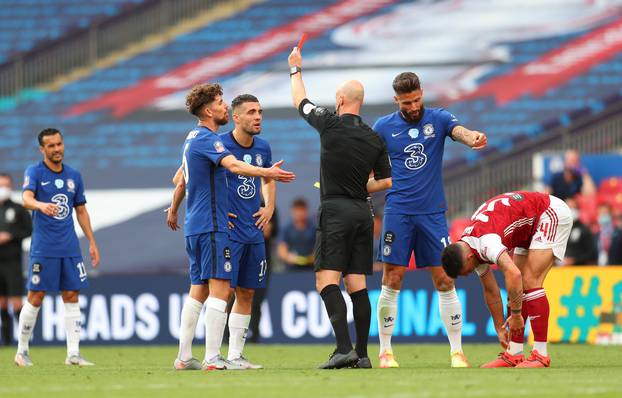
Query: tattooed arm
x=514, y=286
x=471, y=138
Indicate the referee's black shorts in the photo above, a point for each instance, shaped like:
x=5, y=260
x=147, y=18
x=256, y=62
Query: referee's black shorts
x=345, y=236
x=11, y=279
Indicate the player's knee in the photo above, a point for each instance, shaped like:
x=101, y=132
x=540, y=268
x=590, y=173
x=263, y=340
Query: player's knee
x=443, y=283
x=244, y=296
x=36, y=298
x=393, y=278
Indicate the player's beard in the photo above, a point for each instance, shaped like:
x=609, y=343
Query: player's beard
x=222, y=121
x=56, y=160
x=413, y=120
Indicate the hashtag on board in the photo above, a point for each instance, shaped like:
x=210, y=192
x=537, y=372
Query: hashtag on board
x=580, y=308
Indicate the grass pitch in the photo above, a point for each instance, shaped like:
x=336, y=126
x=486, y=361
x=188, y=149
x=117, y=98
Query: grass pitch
x=577, y=371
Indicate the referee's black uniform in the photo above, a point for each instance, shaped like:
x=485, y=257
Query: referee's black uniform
x=350, y=151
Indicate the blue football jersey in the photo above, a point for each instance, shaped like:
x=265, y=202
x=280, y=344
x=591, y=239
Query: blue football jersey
x=206, y=182
x=244, y=192
x=55, y=236
x=416, y=152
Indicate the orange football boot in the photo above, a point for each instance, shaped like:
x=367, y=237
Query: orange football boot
x=505, y=360
x=535, y=360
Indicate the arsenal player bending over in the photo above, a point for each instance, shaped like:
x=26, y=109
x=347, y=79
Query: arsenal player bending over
x=536, y=226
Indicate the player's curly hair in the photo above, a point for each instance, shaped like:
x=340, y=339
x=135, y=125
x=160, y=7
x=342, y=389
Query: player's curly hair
x=406, y=82
x=451, y=258
x=201, y=95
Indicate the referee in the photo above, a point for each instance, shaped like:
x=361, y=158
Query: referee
x=350, y=151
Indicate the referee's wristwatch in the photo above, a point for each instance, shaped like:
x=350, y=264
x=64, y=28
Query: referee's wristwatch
x=294, y=69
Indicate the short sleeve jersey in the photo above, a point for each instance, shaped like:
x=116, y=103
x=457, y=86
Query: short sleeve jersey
x=206, y=182
x=55, y=236
x=416, y=152
x=350, y=150
x=503, y=223
x=245, y=192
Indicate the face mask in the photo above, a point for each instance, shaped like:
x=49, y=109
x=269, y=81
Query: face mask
x=5, y=193
x=604, y=220
x=575, y=214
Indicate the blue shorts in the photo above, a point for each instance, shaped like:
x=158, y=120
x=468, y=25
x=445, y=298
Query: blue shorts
x=249, y=265
x=426, y=234
x=54, y=274
x=209, y=257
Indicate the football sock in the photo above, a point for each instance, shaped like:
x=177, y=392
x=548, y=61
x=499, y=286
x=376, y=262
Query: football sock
x=190, y=314
x=238, y=326
x=215, y=322
x=538, y=309
x=7, y=326
x=27, y=321
x=337, y=313
x=517, y=339
x=73, y=324
x=451, y=315
x=387, y=314
x=362, y=319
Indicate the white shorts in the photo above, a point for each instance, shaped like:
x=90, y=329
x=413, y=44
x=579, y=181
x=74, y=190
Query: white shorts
x=553, y=230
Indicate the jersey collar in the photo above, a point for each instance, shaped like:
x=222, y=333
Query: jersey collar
x=55, y=172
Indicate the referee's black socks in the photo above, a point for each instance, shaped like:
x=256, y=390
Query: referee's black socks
x=362, y=319
x=338, y=314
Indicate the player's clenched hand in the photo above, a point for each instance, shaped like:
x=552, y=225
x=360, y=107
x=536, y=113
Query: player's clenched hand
x=49, y=209
x=264, y=215
x=504, y=337
x=295, y=59
x=231, y=215
x=94, y=253
x=171, y=219
x=479, y=140
x=276, y=173
x=515, y=323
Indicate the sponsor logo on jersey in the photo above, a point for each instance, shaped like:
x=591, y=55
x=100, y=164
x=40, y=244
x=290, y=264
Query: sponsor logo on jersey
x=36, y=267
x=396, y=134
x=517, y=196
x=389, y=237
x=259, y=160
x=247, y=158
x=428, y=130
x=59, y=183
x=413, y=133
x=44, y=183
x=468, y=230
x=219, y=147
x=26, y=181
x=308, y=108
x=227, y=253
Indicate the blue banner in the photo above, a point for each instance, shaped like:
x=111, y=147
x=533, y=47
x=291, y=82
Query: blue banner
x=146, y=310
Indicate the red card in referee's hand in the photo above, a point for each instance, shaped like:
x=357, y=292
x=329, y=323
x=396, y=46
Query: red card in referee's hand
x=302, y=41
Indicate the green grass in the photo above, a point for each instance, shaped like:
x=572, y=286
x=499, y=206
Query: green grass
x=577, y=370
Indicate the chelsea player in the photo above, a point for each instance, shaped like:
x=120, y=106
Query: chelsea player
x=414, y=213
x=52, y=191
x=248, y=253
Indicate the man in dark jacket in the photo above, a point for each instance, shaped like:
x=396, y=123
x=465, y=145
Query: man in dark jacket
x=15, y=225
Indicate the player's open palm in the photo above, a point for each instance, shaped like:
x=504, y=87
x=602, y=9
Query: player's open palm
x=504, y=337
x=276, y=173
x=263, y=216
x=94, y=253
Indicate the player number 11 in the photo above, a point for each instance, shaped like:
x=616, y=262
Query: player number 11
x=446, y=241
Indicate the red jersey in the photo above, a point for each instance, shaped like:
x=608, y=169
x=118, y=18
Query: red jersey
x=503, y=223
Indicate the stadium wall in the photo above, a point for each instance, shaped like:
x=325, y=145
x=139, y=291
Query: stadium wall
x=586, y=306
